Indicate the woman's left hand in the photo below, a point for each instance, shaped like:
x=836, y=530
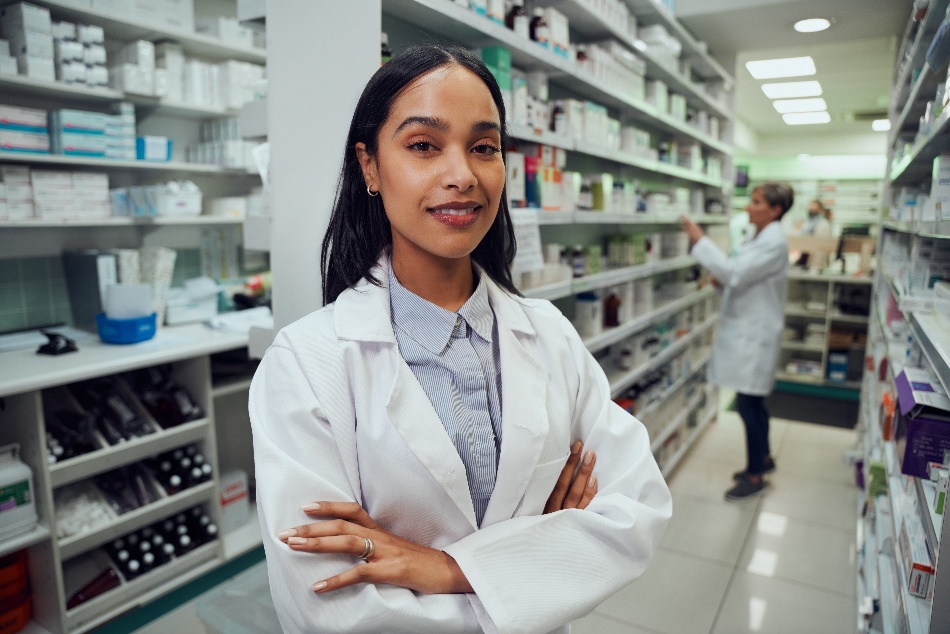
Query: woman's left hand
x=394, y=560
x=691, y=229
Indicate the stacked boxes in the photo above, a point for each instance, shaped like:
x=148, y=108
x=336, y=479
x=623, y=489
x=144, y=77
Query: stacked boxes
x=135, y=71
x=222, y=144
x=17, y=192
x=167, y=14
x=7, y=61
x=78, y=133
x=237, y=81
x=70, y=195
x=228, y=30
x=23, y=130
x=120, y=133
x=170, y=69
x=29, y=31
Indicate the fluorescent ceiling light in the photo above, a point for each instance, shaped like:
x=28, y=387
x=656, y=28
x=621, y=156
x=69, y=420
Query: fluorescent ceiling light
x=812, y=25
x=785, y=67
x=806, y=118
x=881, y=125
x=792, y=89
x=800, y=105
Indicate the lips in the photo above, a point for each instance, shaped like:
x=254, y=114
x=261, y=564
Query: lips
x=456, y=214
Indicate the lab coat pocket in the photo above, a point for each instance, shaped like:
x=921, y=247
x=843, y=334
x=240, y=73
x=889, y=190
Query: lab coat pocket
x=540, y=486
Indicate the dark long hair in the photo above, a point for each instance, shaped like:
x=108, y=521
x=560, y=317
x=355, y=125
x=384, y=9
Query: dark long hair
x=359, y=228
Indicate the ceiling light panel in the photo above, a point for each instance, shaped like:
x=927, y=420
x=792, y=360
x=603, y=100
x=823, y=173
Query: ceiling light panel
x=812, y=25
x=881, y=125
x=800, y=105
x=806, y=118
x=785, y=67
x=792, y=89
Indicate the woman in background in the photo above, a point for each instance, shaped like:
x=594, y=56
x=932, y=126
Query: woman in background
x=416, y=439
x=746, y=349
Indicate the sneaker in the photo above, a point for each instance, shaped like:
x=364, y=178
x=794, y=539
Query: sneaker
x=767, y=462
x=744, y=490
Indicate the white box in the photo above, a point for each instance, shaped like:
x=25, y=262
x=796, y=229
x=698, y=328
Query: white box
x=36, y=67
x=229, y=206
x=63, y=31
x=178, y=14
x=233, y=498
x=90, y=34
x=180, y=204
x=118, y=8
x=25, y=17
x=19, y=211
x=15, y=174
x=90, y=179
x=139, y=52
x=8, y=66
x=147, y=11
x=19, y=192
x=24, y=141
x=65, y=51
x=97, y=75
x=26, y=118
x=93, y=54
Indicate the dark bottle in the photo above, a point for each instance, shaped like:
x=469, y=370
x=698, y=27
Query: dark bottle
x=611, y=310
x=539, y=30
x=517, y=19
x=106, y=581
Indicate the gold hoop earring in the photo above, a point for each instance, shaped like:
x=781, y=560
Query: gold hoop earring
x=371, y=192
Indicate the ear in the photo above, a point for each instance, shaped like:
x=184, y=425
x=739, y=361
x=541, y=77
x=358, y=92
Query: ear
x=368, y=165
x=776, y=211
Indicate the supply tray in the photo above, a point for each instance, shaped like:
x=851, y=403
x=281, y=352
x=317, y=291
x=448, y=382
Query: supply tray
x=107, y=457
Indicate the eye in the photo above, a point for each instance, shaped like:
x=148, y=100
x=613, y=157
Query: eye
x=486, y=149
x=421, y=146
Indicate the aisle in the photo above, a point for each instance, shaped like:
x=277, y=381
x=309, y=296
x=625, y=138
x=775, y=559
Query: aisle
x=782, y=563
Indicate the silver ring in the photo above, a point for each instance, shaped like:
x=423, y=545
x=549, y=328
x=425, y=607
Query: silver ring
x=369, y=549
x=371, y=192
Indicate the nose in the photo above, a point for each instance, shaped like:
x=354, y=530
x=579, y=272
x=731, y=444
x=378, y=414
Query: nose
x=457, y=171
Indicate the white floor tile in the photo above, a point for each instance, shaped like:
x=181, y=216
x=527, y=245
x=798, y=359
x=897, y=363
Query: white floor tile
x=775, y=606
x=183, y=619
x=711, y=530
x=678, y=594
x=600, y=624
x=833, y=437
x=808, y=500
x=816, y=461
x=702, y=479
x=788, y=549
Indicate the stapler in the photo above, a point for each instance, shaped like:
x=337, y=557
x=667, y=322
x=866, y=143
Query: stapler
x=57, y=344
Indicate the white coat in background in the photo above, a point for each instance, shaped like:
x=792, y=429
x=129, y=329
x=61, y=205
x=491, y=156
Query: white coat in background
x=748, y=338
x=338, y=415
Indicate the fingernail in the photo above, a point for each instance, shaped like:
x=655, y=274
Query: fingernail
x=310, y=508
x=588, y=457
x=290, y=532
x=576, y=447
x=591, y=482
x=296, y=541
x=320, y=585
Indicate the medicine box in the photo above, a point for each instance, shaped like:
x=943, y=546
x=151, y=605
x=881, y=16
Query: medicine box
x=26, y=119
x=923, y=421
x=153, y=148
x=916, y=557
x=233, y=498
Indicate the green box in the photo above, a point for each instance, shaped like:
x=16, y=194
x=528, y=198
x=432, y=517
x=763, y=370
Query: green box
x=497, y=56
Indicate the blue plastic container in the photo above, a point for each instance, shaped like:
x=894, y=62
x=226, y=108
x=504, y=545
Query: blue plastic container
x=126, y=330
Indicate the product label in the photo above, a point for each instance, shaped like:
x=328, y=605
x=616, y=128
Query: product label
x=14, y=495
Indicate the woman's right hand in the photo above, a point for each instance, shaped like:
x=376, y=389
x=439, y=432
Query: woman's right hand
x=574, y=491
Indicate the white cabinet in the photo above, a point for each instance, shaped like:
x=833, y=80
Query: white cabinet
x=33, y=389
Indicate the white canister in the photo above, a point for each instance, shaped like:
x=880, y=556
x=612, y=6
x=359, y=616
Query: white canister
x=588, y=315
x=627, y=295
x=17, y=506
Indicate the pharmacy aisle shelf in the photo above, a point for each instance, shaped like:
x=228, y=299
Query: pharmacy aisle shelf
x=697, y=367
x=547, y=217
x=120, y=221
x=579, y=217
x=915, y=166
x=935, y=341
x=550, y=292
x=112, y=164
x=616, y=334
x=620, y=380
x=120, y=28
x=628, y=273
x=704, y=422
x=230, y=386
x=916, y=610
x=12, y=544
x=537, y=135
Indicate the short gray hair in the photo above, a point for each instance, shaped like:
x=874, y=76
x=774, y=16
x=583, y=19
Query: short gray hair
x=780, y=194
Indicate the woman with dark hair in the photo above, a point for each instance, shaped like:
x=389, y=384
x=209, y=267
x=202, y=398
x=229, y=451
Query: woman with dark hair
x=748, y=339
x=419, y=440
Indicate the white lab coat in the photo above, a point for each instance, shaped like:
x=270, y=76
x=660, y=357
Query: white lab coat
x=338, y=415
x=749, y=336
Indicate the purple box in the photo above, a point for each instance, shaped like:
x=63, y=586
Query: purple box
x=923, y=421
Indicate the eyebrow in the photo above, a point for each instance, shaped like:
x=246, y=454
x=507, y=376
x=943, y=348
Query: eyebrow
x=443, y=126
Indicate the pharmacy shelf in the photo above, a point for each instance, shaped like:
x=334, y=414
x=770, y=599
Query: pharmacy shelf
x=794, y=274
x=798, y=311
x=916, y=610
x=133, y=520
x=243, y=538
x=915, y=59
x=77, y=92
x=674, y=425
x=848, y=319
x=620, y=380
x=802, y=346
x=39, y=533
x=935, y=342
x=647, y=412
x=706, y=420
x=619, y=333
x=450, y=20
x=612, y=277
x=815, y=380
x=119, y=221
x=921, y=229
x=539, y=135
x=594, y=27
x=915, y=167
x=112, y=164
x=932, y=521
x=621, y=218
x=652, y=12
x=128, y=452
x=230, y=386
x=119, y=28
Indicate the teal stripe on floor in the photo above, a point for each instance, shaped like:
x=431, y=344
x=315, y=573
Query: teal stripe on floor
x=140, y=617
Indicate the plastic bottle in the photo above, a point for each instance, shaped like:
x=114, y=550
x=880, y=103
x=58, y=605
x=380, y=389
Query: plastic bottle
x=16, y=488
x=385, y=53
x=517, y=20
x=578, y=261
x=539, y=30
x=558, y=119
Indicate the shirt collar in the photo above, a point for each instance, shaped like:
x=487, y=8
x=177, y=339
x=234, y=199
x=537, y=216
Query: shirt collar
x=430, y=325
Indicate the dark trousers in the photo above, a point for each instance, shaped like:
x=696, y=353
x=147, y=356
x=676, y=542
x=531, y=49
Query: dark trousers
x=756, y=419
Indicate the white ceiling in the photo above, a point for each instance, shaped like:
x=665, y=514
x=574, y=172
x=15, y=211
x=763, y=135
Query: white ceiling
x=854, y=58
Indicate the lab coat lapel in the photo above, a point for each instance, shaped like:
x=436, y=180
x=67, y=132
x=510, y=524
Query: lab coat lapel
x=417, y=422
x=524, y=411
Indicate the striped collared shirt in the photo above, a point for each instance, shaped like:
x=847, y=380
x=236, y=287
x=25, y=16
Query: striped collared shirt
x=455, y=358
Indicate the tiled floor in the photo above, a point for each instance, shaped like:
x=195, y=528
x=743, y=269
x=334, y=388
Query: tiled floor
x=782, y=563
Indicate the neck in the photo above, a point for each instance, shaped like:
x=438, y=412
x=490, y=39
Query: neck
x=447, y=283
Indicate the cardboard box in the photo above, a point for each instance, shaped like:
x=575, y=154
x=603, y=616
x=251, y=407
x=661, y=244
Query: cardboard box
x=923, y=421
